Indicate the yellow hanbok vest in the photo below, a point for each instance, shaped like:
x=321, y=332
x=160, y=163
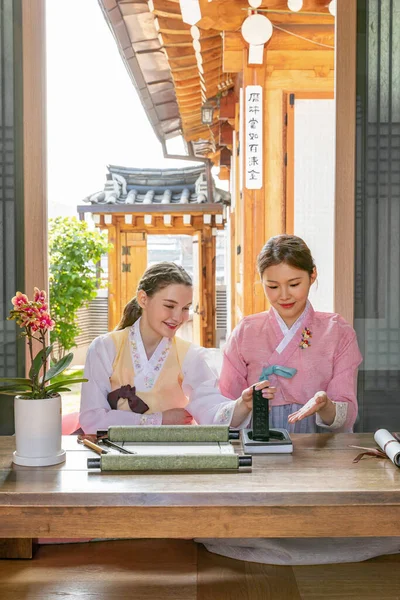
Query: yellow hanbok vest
x=167, y=391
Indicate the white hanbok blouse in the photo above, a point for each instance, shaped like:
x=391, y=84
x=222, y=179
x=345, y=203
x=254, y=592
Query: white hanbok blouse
x=200, y=380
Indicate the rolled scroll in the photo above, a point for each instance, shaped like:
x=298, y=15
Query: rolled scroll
x=189, y=462
x=389, y=445
x=169, y=433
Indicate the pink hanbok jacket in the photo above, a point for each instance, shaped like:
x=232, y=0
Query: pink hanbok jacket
x=329, y=363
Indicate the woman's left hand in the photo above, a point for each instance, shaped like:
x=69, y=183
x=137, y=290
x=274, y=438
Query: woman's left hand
x=319, y=403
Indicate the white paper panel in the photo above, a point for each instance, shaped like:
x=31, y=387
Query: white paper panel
x=314, y=181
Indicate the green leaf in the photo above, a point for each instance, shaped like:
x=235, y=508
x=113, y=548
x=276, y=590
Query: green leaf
x=64, y=382
x=13, y=391
x=16, y=380
x=38, y=361
x=57, y=389
x=59, y=367
x=68, y=381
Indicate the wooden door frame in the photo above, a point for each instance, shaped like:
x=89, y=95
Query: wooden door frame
x=289, y=179
x=345, y=176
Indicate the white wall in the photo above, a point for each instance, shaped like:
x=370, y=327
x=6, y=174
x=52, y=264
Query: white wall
x=314, y=181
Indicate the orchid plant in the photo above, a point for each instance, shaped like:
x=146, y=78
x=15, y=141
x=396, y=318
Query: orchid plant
x=34, y=318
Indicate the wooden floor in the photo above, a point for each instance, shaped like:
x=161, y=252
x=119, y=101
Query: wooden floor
x=181, y=570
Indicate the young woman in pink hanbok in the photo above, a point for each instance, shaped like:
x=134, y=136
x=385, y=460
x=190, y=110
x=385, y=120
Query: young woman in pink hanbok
x=310, y=359
x=142, y=374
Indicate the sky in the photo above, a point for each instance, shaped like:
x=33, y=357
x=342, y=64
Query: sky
x=94, y=115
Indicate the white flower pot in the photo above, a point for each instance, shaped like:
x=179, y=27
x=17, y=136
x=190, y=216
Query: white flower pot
x=38, y=432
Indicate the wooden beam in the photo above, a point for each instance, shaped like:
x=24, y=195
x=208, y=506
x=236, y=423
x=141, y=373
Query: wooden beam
x=213, y=54
x=186, y=38
x=226, y=134
x=206, y=46
x=282, y=43
x=284, y=59
x=190, y=103
x=172, y=26
x=225, y=157
x=140, y=209
x=169, y=15
x=213, y=72
x=299, y=80
x=345, y=92
x=178, y=229
x=225, y=15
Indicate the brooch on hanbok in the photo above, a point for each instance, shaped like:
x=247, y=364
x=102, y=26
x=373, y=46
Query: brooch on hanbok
x=305, y=338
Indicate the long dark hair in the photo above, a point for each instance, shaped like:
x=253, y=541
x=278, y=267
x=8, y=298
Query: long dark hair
x=154, y=279
x=288, y=249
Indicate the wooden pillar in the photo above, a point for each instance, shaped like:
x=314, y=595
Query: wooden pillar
x=345, y=94
x=253, y=213
x=34, y=118
x=208, y=270
x=113, y=279
x=35, y=156
x=199, y=310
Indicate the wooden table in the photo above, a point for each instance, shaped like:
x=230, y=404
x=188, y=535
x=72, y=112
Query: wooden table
x=316, y=492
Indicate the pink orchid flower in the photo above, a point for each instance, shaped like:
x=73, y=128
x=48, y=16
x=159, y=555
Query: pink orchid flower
x=46, y=322
x=39, y=295
x=19, y=300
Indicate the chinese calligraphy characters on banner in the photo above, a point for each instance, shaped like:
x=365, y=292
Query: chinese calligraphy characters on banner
x=253, y=137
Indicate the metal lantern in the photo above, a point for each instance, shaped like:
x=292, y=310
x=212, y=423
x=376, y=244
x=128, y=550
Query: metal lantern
x=207, y=113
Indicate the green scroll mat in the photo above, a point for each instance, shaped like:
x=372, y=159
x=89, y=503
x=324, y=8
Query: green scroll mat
x=190, y=462
x=168, y=433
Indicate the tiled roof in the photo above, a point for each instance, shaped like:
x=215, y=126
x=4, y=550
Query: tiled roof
x=156, y=186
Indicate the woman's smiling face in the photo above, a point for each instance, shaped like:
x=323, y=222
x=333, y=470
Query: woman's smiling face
x=287, y=290
x=167, y=309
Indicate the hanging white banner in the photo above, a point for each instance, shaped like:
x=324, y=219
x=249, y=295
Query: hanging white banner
x=253, y=137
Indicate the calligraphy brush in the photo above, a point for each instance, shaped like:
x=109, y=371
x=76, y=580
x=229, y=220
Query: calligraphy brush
x=92, y=446
x=115, y=446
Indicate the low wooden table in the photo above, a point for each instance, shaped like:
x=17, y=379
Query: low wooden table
x=316, y=492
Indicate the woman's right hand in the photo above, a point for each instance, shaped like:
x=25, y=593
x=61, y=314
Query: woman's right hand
x=244, y=404
x=267, y=392
x=176, y=416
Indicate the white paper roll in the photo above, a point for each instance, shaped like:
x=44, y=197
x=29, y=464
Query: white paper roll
x=389, y=445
